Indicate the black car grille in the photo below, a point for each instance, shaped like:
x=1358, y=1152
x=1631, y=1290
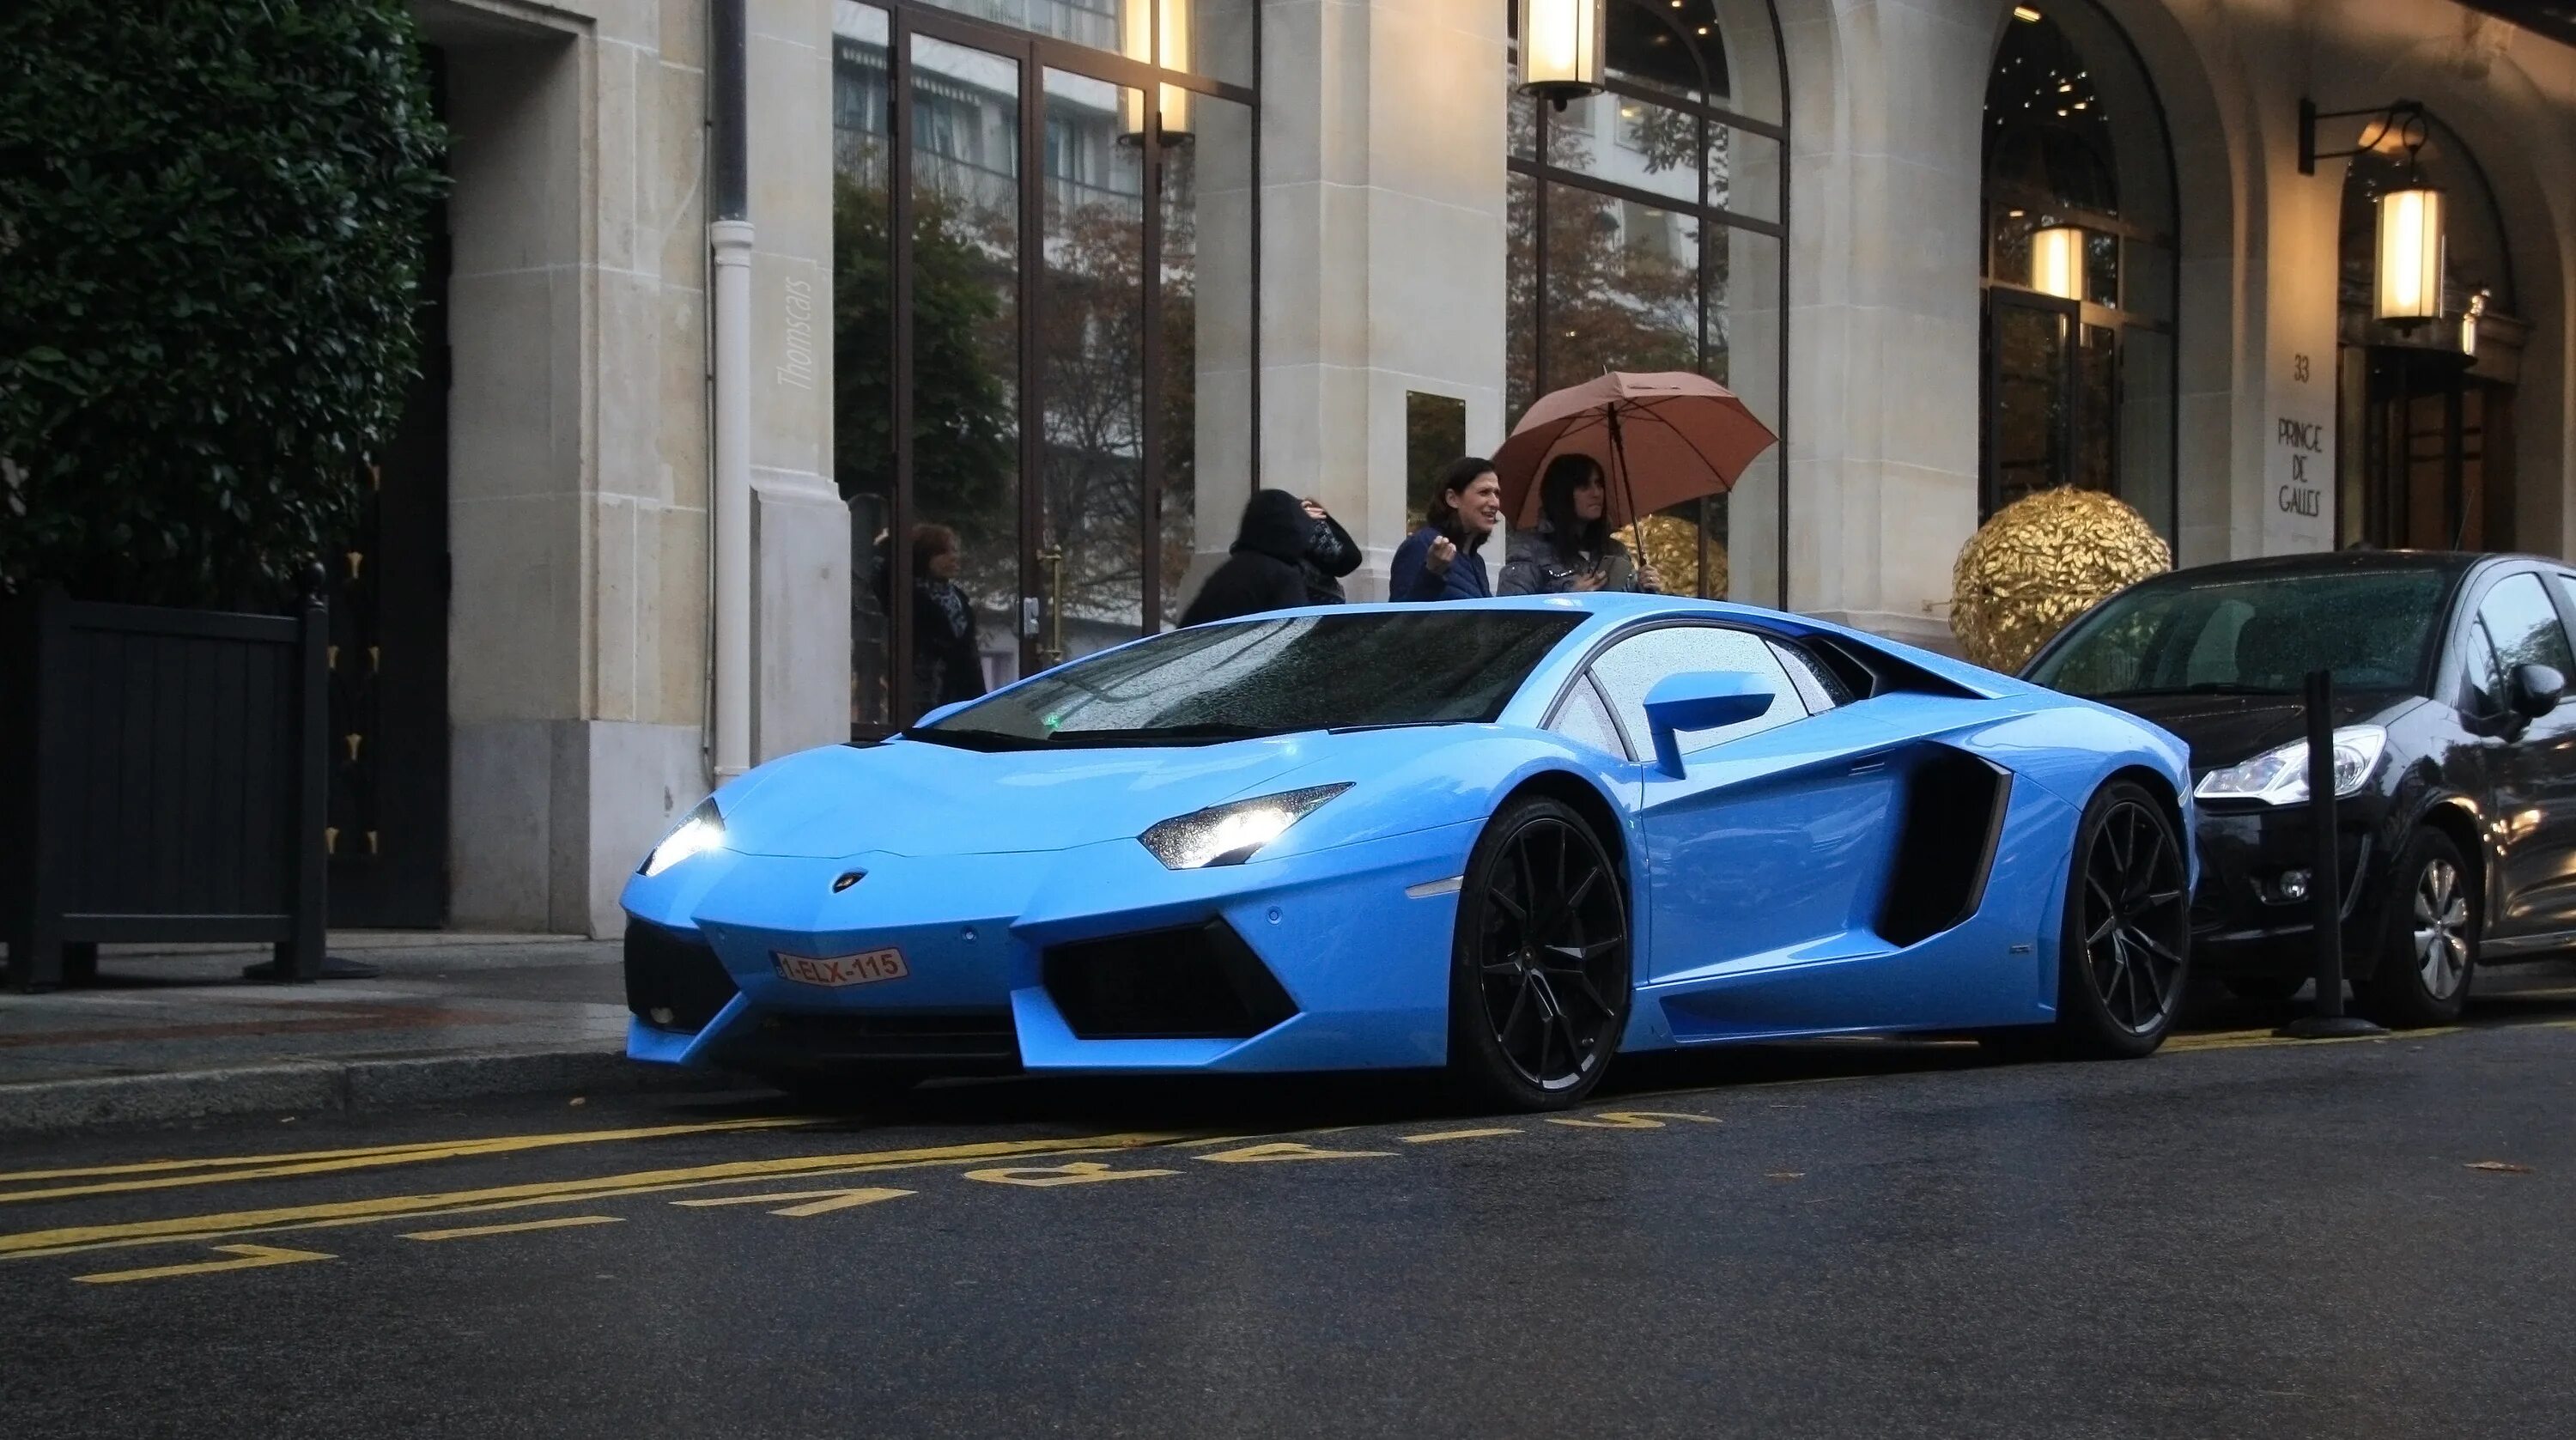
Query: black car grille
x=1202, y=982
x=673, y=981
x=953, y=1039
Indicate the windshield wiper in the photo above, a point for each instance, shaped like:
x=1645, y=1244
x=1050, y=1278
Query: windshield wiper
x=984, y=740
x=2199, y=687
x=1162, y=734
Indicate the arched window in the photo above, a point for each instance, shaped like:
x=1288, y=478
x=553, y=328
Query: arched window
x=1646, y=233
x=2080, y=267
x=2424, y=457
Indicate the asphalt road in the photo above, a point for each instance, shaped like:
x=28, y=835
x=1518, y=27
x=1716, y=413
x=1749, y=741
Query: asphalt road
x=2238, y=1237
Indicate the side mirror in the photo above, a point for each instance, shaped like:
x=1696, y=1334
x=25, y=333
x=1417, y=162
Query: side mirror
x=1700, y=700
x=2535, y=690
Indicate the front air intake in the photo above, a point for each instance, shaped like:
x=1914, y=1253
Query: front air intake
x=673, y=980
x=1197, y=983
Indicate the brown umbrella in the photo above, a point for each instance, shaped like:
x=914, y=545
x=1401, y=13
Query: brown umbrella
x=1661, y=439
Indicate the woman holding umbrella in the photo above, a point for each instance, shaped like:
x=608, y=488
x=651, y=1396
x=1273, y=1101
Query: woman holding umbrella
x=1572, y=550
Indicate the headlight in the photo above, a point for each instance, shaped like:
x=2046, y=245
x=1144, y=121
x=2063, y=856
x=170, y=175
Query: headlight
x=2280, y=777
x=1229, y=834
x=702, y=831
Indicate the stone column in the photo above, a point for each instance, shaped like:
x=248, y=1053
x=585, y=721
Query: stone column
x=1382, y=250
x=1886, y=105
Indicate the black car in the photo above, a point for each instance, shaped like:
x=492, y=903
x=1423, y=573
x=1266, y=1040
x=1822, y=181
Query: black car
x=2455, y=764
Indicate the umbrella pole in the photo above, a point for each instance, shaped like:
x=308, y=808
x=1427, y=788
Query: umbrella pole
x=1627, y=487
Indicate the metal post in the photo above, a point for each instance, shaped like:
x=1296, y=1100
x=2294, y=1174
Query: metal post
x=2325, y=877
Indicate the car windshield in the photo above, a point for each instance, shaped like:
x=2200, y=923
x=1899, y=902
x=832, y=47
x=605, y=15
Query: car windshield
x=1212, y=683
x=2251, y=635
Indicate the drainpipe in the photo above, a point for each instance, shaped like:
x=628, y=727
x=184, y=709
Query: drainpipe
x=730, y=235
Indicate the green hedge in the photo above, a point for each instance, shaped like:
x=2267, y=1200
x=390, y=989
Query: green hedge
x=211, y=228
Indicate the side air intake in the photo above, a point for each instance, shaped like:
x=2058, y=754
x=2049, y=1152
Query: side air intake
x=1953, y=815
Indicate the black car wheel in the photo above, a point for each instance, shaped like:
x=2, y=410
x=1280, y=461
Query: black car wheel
x=2124, y=950
x=1539, y=978
x=2428, y=944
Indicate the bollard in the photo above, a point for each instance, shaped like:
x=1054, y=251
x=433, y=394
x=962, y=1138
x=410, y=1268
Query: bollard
x=2325, y=882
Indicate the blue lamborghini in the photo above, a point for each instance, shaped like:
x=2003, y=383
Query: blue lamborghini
x=1511, y=837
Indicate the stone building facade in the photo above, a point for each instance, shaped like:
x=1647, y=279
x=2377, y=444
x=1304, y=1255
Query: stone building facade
x=1069, y=277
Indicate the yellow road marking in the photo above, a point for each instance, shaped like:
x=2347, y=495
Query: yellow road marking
x=473, y=1232
x=34, y=1243
x=1430, y=1136
x=251, y=1257
x=323, y=1161
x=1631, y=1119
x=1286, y=1150
x=822, y=1202
x=1047, y=1177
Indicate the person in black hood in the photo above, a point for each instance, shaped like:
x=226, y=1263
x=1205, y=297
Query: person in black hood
x=1265, y=570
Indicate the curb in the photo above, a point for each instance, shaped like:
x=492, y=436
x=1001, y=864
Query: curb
x=334, y=1085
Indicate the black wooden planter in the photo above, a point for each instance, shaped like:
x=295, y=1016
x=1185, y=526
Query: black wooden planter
x=161, y=779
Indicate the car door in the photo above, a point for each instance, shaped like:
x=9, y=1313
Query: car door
x=1762, y=853
x=2531, y=764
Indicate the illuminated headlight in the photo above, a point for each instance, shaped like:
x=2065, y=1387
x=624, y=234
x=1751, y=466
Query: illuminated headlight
x=2280, y=777
x=1229, y=834
x=702, y=831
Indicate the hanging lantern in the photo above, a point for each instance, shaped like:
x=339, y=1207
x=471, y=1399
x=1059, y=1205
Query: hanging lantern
x=2410, y=254
x=1137, y=43
x=1561, y=49
x=2057, y=261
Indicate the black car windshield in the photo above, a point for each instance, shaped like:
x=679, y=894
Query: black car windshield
x=1212, y=683
x=2251, y=634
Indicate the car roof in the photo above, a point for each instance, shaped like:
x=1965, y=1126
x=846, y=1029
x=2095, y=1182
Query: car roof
x=2338, y=562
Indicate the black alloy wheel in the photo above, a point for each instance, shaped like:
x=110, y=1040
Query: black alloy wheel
x=1540, y=979
x=2428, y=945
x=2124, y=952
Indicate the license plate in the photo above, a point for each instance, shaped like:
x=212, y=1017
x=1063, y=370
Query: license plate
x=865, y=968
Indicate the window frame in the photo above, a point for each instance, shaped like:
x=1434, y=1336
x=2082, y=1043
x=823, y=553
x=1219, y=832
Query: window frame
x=1584, y=675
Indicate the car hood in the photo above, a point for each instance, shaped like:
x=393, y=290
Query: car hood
x=908, y=797
x=2224, y=729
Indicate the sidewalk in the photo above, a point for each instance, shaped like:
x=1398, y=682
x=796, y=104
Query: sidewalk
x=174, y=1032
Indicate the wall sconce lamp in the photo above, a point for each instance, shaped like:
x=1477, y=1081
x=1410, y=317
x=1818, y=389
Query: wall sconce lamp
x=1138, y=22
x=1561, y=49
x=2057, y=261
x=2410, y=217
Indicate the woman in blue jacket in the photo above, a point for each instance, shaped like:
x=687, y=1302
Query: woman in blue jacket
x=1439, y=561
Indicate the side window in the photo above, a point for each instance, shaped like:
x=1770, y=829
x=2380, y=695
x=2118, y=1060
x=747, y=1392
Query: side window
x=1819, y=687
x=2524, y=626
x=1583, y=717
x=1630, y=668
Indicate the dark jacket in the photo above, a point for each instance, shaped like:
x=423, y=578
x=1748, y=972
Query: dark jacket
x=1262, y=573
x=945, y=665
x=1331, y=555
x=1536, y=565
x=1408, y=577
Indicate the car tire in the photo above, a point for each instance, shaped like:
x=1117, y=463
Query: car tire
x=2428, y=938
x=1540, y=979
x=2124, y=942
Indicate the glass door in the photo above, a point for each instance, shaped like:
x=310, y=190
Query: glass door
x=1092, y=509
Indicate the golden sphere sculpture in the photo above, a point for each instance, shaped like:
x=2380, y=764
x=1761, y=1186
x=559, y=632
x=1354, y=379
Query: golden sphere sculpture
x=2040, y=562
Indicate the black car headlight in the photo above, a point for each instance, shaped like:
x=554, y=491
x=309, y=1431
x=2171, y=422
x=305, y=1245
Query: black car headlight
x=704, y=830
x=2279, y=776
x=1229, y=834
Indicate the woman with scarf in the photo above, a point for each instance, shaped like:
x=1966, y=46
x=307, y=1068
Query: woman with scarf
x=945, y=664
x=1572, y=550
